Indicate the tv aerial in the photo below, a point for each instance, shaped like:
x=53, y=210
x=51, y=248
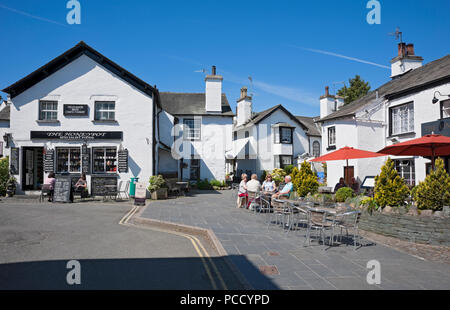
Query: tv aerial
x=398, y=34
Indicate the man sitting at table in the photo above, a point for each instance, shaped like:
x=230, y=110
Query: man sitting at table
x=286, y=191
x=253, y=186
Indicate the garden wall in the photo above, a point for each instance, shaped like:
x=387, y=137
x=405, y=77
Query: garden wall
x=422, y=229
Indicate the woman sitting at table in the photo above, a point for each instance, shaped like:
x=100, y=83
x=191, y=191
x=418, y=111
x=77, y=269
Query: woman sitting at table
x=242, y=193
x=268, y=185
x=81, y=186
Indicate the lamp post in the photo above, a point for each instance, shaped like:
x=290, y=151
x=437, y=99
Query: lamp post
x=435, y=100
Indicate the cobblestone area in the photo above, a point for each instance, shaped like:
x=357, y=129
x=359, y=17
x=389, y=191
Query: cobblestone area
x=243, y=233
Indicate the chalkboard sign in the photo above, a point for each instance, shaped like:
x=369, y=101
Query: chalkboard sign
x=85, y=159
x=140, y=194
x=49, y=161
x=123, y=160
x=103, y=186
x=14, y=158
x=63, y=190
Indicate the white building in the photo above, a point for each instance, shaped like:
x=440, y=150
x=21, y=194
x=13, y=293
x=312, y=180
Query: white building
x=82, y=113
x=270, y=139
x=400, y=110
x=4, y=129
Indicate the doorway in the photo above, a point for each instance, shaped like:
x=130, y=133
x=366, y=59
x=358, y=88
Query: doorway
x=33, y=168
x=349, y=173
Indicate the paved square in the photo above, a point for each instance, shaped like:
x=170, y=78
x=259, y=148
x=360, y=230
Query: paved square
x=244, y=233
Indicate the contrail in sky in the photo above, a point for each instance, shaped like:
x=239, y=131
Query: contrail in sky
x=32, y=16
x=341, y=56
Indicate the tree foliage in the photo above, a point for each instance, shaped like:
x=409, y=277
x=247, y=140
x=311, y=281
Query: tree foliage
x=390, y=188
x=4, y=175
x=306, y=180
x=434, y=192
x=357, y=89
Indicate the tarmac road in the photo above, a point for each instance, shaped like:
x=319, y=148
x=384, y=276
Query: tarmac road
x=38, y=240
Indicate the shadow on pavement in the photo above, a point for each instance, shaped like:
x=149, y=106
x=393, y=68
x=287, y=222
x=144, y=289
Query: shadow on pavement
x=187, y=273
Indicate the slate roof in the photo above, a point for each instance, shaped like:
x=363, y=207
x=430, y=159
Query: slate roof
x=190, y=104
x=4, y=113
x=434, y=73
x=259, y=116
x=313, y=128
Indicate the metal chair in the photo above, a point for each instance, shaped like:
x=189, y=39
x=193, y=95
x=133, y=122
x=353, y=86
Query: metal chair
x=281, y=210
x=318, y=220
x=124, y=191
x=253, y=200
x=348, y=220
x=46, y=191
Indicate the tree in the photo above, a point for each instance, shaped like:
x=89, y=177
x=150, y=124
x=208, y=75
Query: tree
x=390, y=188
x=434, y=192
x=4, y=175
x=307, y=180
x=357, y=89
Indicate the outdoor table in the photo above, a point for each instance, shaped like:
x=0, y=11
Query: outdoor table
x=183, y=187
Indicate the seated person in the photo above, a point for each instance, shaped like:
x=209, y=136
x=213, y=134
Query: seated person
x=81, y=186
x=49, y=184
x=339, y=185
x=253, y=186
x=242, y=193
x=269, y=185
x=286, y=191
x=354, y=185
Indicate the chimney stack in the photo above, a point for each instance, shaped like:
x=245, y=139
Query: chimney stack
x=213, y=92
x=244, y=107
x=401, y=49
x=405, y=61
x=327, y=103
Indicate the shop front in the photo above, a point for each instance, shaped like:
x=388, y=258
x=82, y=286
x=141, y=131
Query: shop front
x=69, y=154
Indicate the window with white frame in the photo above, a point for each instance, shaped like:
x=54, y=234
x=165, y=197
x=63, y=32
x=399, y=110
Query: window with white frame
x=406, y=169
x=331, y=136
x=191, y=128
x=445, y=109
x=104, y=160
x=402, y=119
x=286, y=135
x=68, y=160
x=48, y=110
x=105, y=111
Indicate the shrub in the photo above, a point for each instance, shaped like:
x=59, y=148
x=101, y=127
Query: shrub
x=278, y=175
x=343, y=193
x=370, y=203
x=390, y=189
x=306, y=180
x=4, y=175
x=204, y=185
x=434, y=192
x=216, y=183
x=288, y=169
x=156, y=182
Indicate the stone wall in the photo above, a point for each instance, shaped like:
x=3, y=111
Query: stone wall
x=421, y=229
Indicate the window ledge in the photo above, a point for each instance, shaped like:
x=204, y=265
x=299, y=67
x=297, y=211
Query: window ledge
x=105, y=121
x=44, y=121
x=331, y=147
x=411, y=133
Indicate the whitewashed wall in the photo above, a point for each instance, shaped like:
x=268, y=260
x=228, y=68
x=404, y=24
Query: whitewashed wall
x=82, y=82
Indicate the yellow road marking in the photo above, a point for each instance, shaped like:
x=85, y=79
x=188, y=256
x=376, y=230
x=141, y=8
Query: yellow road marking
x=195, y=242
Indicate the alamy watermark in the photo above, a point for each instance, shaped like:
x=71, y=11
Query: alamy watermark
x=374, y=275
x=74, y=15
x=374, y=16
x=74, y=275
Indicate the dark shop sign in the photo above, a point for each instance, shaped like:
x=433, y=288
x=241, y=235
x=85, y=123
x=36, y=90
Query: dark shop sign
x=76, y=135
x=76, y=109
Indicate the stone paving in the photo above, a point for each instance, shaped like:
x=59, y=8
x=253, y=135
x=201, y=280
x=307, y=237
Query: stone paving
x=243, y=233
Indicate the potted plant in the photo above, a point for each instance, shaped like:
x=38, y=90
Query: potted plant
x=11, y=187
x=157, y=187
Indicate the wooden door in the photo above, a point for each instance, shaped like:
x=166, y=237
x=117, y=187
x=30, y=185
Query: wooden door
x=348, y=174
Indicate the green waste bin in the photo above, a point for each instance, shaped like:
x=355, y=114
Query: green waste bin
x=133, y=182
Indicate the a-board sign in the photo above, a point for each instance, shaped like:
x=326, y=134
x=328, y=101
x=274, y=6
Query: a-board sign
x=63, y=190
x=14, y=161
x=123, y=161
x=103, y=185
x=140, y=194
x=75, y=109
x=369, y=182
x=49, y=160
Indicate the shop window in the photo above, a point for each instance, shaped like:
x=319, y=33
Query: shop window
x=68, y=160
x=402, y=119
x=48, y=110
x=105, y=111
x=104, y=160
x=191, y=129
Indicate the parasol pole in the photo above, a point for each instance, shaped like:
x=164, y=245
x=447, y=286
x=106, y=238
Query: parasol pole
x=432, y=156
x=347, y=170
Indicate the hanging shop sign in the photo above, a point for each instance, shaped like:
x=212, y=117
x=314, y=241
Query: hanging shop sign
x=123, y=160
x=49, y=161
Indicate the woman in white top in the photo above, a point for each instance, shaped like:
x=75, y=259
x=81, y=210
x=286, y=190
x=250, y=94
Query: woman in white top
x=269, y=185
x=242, y=193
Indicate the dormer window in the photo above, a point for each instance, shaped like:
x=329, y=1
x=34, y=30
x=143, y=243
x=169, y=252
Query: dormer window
x=283, y=134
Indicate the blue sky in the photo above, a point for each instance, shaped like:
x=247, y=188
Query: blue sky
x=287, y=47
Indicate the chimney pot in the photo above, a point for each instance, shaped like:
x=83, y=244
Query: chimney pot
x=327, y=91
x=243, y=92
x=213, y=70
x=410, y=49
x=401, y=49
